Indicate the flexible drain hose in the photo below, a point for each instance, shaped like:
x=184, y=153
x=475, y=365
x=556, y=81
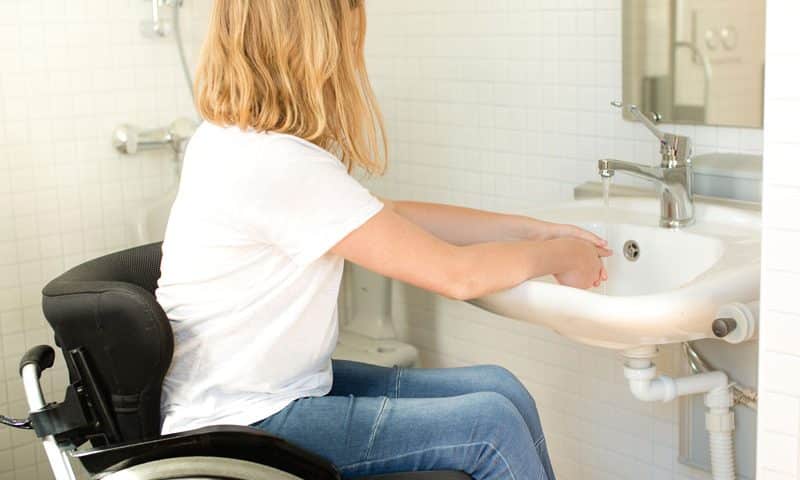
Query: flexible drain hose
x=722, y=464
x=720, y=426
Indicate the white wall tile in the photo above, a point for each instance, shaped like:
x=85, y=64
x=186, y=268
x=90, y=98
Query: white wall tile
x=542, y=91
x=779, y=368
x=71, y=72
x=512, y=93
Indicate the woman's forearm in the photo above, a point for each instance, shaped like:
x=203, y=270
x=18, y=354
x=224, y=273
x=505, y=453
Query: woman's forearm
x=467, y=226
x=396, y=247
x=494, y=266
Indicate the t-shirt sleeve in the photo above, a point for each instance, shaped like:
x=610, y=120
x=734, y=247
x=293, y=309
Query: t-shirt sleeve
x=305, y=202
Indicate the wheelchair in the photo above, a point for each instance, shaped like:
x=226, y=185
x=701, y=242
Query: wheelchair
x=117, y=344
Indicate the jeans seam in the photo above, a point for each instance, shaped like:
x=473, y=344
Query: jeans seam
x=397, y=382
x=377, y=427
x=443, y=447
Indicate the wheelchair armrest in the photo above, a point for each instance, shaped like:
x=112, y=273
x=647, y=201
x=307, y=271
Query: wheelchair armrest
x=241, y=443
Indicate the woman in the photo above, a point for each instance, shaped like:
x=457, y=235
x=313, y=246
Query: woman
x=266, y=214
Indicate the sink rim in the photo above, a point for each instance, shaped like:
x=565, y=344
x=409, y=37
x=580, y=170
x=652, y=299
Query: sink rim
x=735, y=276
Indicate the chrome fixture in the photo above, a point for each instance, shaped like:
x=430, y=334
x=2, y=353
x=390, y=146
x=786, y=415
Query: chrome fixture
x=674, y=175
x=158, y=25
x=631, y=250
x=129, y=139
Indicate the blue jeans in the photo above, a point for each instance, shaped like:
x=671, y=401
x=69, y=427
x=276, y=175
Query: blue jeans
x=479, y=420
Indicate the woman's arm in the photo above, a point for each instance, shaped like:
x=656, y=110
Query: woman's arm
x=466, y=226
x=393, y=246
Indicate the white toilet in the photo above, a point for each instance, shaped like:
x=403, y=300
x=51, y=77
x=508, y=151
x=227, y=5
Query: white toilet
x=365, y=320
x=366, y=330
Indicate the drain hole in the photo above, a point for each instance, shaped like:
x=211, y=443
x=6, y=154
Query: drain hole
x=631, y=250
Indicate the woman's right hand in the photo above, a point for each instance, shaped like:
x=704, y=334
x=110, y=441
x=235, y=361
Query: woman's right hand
x=583, y=266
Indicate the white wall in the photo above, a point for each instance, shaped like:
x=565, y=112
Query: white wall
x=69, y=72
x=505, y=105
x=500, y=104
x=779, y=388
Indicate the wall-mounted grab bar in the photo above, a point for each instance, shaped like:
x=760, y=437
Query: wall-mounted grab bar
x=130, y=139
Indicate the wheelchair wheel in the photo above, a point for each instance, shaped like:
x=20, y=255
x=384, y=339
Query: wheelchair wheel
x=200, y=468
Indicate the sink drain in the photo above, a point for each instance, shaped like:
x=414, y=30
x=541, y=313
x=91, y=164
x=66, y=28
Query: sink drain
x=631, y=250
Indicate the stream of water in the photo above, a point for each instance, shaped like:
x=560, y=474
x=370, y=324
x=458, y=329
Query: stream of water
x=605, y=222
x=606, y=190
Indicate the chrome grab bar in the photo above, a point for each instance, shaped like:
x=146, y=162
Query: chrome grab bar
x=130, y=139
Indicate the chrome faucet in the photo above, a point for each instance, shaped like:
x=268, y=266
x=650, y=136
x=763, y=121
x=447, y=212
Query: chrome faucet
x=674, y=175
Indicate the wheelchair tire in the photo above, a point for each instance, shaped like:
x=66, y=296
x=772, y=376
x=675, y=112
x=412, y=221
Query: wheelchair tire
x=199, y=468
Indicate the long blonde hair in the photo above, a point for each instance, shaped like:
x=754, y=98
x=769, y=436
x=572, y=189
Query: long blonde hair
x=295, y=67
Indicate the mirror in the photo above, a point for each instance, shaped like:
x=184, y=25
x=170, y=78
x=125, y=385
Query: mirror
x=695, y=61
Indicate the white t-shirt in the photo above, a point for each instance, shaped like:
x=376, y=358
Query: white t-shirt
x=246, y=278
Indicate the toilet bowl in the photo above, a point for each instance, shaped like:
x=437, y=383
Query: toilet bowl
x=385, y=353
x=367, y=330
x=150, y=221
x=366, y=333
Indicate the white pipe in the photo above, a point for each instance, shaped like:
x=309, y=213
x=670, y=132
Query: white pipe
x=648, y=388
x=645, y=385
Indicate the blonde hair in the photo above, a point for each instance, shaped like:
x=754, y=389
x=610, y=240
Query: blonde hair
x=294, y=67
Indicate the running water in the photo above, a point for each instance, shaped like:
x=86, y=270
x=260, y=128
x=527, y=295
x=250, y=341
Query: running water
x=605, y=220
x=606, y=191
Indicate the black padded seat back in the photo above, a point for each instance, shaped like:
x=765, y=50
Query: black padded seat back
x=107, y=307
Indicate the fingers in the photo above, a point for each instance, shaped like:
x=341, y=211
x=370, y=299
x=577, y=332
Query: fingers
x=590, y=237
x=566, y=230
x=603, y=277
x=604, y=252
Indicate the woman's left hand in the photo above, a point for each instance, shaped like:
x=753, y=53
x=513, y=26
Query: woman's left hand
x=564, y=230
x=547, y=231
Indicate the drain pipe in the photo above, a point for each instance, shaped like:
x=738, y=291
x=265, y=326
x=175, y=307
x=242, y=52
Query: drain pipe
x=647, y=386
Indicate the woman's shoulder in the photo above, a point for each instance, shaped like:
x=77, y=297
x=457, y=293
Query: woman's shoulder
x=272, y=143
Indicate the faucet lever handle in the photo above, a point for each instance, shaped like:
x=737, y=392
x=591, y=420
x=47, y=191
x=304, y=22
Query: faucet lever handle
x=642, y=118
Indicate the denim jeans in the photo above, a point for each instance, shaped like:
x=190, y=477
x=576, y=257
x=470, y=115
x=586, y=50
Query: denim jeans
x=479, y=420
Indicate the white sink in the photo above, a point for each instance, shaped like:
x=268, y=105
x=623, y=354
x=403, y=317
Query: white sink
x=670, y=293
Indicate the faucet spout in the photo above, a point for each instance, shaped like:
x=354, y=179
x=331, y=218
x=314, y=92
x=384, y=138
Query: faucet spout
x=675, y=182
x=607, y=167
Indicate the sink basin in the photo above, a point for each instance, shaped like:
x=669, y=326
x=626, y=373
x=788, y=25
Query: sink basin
x=664, y=286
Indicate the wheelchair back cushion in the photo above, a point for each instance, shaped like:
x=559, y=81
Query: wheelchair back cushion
x=107, y=307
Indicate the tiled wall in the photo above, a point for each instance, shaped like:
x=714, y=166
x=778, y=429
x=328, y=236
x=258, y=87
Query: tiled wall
x=779, y=389
x=505, y=105
x=498, y=104
x=69, y=72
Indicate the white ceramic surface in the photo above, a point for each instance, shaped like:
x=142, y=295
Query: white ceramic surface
x=669, y=294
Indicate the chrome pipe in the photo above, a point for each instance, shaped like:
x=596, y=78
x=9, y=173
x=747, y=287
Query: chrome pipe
x=59, y=462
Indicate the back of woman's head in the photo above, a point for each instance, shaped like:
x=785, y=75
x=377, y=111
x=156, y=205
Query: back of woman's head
x=295, y=67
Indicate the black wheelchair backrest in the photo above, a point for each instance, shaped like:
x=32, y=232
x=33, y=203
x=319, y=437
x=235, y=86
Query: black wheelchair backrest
x=106, y=319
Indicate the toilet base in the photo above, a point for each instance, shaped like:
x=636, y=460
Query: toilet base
x=385, y=353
